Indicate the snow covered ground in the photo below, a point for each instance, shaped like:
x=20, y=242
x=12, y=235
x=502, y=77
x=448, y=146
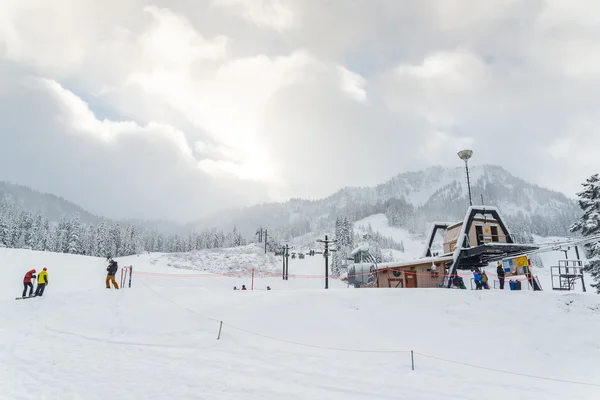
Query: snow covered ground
x=226, y=268
x=158, y=341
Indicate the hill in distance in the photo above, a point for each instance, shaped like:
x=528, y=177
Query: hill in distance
x=411, y=200
x=415, y=199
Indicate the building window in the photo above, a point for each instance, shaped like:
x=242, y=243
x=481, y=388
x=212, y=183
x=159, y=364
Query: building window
x=479, y=234
x=495, y=237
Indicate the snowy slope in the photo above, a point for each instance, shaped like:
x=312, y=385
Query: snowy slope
x=226, y=268
x=413, y=244
x=210, y=269
x=81, y=341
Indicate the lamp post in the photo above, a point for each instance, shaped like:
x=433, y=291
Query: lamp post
x=465, y=155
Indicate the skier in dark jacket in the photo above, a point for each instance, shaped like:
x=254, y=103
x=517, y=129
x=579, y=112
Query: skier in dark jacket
x=27, y=282
x=110, y=276
x=501, y=274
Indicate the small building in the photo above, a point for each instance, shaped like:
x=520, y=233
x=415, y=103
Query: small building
x=422, y=273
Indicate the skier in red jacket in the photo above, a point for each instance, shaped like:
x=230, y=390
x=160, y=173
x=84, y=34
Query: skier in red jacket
x=27, y=282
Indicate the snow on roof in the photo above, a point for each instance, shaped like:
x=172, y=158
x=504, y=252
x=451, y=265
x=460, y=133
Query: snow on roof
x=500, y=244
x=441, y=223
x=362, y=247
x=429, y=237
x=454, y=225
x=417, y=261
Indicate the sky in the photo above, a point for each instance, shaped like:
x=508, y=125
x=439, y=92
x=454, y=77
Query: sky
x=176, y=109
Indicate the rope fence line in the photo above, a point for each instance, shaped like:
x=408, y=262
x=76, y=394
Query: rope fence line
x=312, y=345
x=272, y=274
x=412, y=353
x=271, y=337
x=508, y=372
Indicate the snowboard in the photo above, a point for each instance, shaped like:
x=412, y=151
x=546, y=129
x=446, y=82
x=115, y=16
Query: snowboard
x=23, y=298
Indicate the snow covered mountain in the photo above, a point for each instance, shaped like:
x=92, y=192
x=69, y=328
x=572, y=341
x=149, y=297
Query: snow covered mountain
x=52, y=207
x=55, y=208
x=414, y=199
x=410, y=200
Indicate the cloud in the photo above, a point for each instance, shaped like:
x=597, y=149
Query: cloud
x=275, y=14
x=353, y=84
x=230, y=102
x=81, y=119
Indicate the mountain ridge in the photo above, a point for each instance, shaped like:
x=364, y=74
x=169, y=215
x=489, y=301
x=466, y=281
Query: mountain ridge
x=435, y=193
x=410, y=199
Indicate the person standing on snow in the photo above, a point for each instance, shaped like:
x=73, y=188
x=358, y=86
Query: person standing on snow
x=477, y=278
x=501, y=274
x=42, y=281
x=110, y=276
x=27, y=282
x=484, y=281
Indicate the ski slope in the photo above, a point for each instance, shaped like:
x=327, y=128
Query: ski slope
x=158, y=340
x=413, y=244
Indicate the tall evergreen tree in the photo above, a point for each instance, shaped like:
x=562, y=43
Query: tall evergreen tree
x=4, y=230
x=40, y=233
x=115, y=240
x=589, y=225
x=74, y=236
x=51, y=239
x=89, y=241
x=102, y=241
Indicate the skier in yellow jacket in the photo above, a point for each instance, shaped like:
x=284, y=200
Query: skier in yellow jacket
x=42, y=281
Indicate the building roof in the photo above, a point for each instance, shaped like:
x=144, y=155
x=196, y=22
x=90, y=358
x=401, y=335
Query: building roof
x=418, y=261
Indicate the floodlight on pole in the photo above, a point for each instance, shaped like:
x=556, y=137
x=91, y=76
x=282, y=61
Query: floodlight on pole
x=465, y=155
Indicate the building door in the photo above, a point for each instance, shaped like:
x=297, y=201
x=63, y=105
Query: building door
x=411, y=279
x=479, y=233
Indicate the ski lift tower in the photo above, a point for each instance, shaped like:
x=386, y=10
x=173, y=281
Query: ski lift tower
x=465, y=155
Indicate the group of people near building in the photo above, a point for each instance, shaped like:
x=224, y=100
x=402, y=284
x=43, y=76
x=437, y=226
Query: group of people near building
x=42, y=281
x=481, y=279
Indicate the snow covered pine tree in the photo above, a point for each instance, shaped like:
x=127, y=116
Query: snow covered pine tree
x=589, y=225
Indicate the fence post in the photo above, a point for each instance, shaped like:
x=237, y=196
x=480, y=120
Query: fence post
x=252, y=287
x=412, y=359
x=122, y=269
x=130, y=273
x=220, y=327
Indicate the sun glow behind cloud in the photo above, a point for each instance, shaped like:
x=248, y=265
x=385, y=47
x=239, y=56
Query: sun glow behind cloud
x=267, y=95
